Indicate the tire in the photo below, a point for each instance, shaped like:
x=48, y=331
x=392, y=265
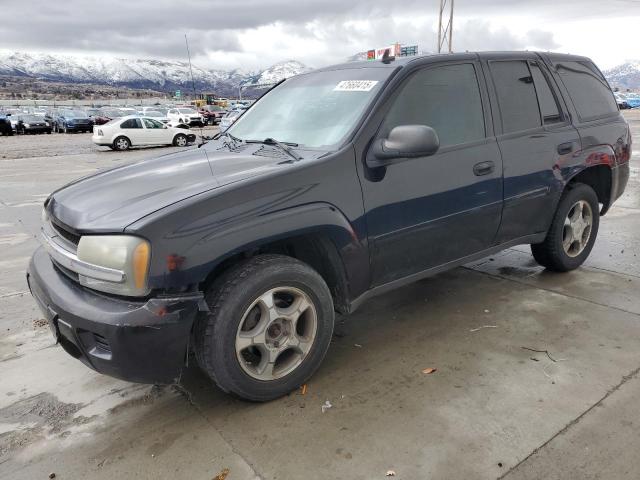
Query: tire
x=553, y=252
x=180, y=140
x=121, y=143
x=234, y=297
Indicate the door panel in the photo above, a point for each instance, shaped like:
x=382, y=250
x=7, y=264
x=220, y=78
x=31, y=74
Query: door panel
x=536, y=138
x=154, y=132
x=427, y=211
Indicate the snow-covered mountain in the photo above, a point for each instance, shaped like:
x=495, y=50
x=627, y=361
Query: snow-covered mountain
x=163, y=75
x=625, y=76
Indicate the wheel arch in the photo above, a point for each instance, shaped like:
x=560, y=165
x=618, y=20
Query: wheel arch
x=598, y=177
x=115, y=139
x=315, y=249
x=317, y=234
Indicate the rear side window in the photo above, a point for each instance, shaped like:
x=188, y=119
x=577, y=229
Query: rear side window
x=589, y=91
x=131, y=123
x=445, y=98
x=516, y=95
x=548, y=105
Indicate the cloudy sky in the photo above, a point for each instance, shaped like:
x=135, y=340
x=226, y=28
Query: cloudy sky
x=252, y=34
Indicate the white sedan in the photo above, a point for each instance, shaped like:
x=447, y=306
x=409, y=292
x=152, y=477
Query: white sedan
x=122, y=133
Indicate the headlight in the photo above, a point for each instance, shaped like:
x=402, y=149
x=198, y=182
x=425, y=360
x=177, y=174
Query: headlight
x=121, y=253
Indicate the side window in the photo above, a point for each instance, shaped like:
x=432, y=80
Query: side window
x=516, y=95
x=445, y=98
x=150, y=123
x=131, y=123
x=588, y=90
x=548, y=105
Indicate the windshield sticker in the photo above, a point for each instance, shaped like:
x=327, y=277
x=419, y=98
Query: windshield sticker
x=355, y=85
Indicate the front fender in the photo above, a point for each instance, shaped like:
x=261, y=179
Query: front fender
x=220, y=240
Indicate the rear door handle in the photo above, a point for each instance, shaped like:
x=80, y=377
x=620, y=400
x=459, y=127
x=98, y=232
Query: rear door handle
x=483, y=168
x=565, y=148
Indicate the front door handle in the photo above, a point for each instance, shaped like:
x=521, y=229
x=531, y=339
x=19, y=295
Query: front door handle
x=565, y=148
x=483, y=168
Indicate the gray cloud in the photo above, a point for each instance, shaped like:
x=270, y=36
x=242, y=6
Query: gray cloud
x=156, y=28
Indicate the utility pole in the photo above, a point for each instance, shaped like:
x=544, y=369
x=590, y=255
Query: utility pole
x=445, y=29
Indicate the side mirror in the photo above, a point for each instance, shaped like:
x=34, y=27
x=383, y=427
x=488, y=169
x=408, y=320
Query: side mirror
x=403, y=142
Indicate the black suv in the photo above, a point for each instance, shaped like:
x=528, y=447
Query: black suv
x=335, y=186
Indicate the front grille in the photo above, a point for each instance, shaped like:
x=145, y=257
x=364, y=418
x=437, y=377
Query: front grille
x=66, y=234
x=69, y=273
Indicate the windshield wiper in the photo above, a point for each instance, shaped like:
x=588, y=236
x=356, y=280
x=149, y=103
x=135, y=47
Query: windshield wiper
x=285, y=147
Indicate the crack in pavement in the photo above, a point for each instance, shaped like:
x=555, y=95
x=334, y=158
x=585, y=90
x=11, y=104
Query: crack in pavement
x=575, y=421
x=550, y=290
x=189, y=398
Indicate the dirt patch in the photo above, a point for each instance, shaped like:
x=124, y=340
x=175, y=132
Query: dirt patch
x=146, y=399
x=34, y=417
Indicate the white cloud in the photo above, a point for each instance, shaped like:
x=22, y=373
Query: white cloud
x=250, y=34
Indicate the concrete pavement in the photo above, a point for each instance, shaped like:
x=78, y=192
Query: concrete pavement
x=494, y=407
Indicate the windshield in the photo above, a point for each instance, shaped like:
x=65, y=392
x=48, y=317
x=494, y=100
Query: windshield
x=153, y=113
x=314, y=110
x=30, y=118
x=187, y=110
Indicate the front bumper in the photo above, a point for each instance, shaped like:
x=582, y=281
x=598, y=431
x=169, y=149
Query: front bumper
x=143, y=341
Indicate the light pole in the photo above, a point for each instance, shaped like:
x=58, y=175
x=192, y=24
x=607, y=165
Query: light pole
x=445, y=29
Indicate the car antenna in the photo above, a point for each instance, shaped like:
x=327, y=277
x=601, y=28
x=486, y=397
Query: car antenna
x=193, y=86
x=386, y=57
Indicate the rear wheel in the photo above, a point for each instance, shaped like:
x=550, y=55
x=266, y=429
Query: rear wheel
x=180, y=140
x=573, y=230
x=268, y=329
x=121, y=143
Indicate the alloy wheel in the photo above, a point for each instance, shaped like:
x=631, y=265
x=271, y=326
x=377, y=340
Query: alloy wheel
x=276, y=333
x=577, y=228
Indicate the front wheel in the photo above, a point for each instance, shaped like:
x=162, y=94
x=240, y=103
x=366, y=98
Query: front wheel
x=573, y=230
x=180, y=140
x=269, y=327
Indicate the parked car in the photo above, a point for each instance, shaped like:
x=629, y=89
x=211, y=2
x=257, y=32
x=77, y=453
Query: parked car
x=632, y=99
x=187, y=116
x=5, y=125
x=622, y=103
x=242, y=250
x=157, y=115
x=97, y=116
x=32, y=124
x=212, y=114
x=65, y=121
x=133, y=130
x=227, y=120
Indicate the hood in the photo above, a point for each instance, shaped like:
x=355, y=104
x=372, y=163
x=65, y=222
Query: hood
x=110, y=200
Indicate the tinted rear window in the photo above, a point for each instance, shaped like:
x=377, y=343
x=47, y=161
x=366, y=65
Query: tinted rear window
x=516, y=95
x=548, y=105
x=589, y=91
